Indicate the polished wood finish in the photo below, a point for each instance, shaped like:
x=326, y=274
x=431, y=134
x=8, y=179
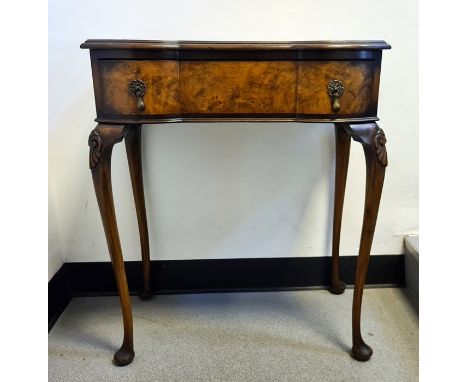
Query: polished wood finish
x=236, y=88
x=161, y=78
x=235, y=45
x=373, y=141
x=138, y=82
x=245, y=87
x=357, y=77
x=101, y=142
x=248, y=81
x=342, y=144
x=215, y=118
x=133, y=147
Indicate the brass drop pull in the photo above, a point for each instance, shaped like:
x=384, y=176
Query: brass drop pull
x=138, y=89
x=335, y=90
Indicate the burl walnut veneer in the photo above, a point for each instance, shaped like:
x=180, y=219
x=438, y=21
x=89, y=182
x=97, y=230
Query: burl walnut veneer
x=137, y=82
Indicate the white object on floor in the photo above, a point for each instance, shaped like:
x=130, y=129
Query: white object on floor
x=412, y=268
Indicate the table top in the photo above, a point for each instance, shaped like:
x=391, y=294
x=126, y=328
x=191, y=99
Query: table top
x=236, y=45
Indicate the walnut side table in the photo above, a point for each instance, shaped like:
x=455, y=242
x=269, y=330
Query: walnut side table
x=138, y=82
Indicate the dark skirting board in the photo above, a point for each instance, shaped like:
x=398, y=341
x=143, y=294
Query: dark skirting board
x=218, y=275
x=59, y=295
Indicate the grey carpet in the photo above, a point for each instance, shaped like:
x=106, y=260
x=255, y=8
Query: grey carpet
x=265, y=336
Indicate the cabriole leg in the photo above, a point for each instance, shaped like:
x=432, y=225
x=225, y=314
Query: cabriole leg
x=373, y=141
x=101, y=142
x=133, y=146
x=342, y=139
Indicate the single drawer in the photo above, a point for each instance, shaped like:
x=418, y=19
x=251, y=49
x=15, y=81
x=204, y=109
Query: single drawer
x=238, y=87
x=355, y=80
x=246, y=88
x=160, y=79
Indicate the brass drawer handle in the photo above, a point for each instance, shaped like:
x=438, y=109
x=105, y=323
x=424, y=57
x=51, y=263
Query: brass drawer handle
x=335, y=90
x=138, y=89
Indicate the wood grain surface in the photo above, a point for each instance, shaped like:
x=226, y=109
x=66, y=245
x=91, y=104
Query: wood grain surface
x=235, y=45
x=162, y=86
x=238, y=87
x=227, y=81
x=313, y=78
x=235, y=87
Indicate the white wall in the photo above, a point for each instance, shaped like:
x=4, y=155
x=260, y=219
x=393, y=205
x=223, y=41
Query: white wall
x=233, y=190
x=55, y=245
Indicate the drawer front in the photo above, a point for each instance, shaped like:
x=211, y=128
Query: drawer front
x=357, y=78
x=236, y=87
x=162, y=87
x=233, y=87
